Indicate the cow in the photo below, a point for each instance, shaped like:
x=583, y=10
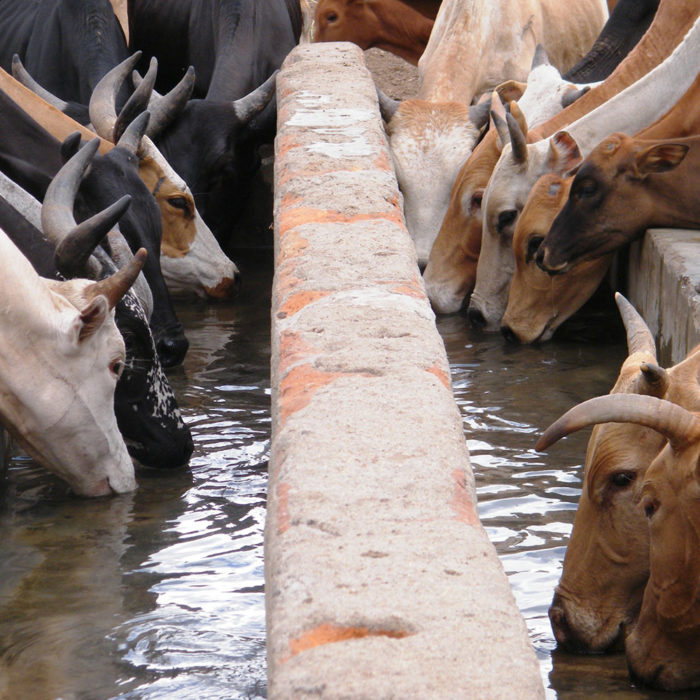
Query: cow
x=32, y=156
x=625, y=186
x=473, y=47
x=191, y=259
x=663, y=645
x=521, y=164
x=62, y=355
x=235, y=47
x=537, y=302
x=390, y=25
x=606, y=565
x=146, y=408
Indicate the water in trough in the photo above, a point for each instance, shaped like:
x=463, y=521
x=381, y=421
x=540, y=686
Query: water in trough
x=159, y=593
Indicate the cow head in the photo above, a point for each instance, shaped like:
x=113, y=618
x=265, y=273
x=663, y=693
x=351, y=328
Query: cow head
x=519, y=167
x=597, y=218
x=346, y=20
x=429, y=142
x=537, y=302
x=606, y=564
x=662, y=648
x=61, y=357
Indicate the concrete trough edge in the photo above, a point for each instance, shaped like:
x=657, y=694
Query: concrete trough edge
x=380, y=580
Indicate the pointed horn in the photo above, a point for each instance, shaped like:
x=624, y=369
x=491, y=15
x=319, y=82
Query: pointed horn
x=639, y=337
x=669, y=419
x=387, y=105
x=73, y=252
x=102, y=107
x=570, y=96
x=21, y=75
x=137, y=103
x=57, y=219
x=540, y=57
x=131, y=138
x=479, y=113
x=254, y=102
x=118, y=284
x=165, y=108
x=656, y=377
x=517, y=139
x=500, y=125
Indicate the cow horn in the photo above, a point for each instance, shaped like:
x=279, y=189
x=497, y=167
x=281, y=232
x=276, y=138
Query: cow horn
x=75, y=242
x=117, y=285
x=669, y=419
x=102, y=109
x=131, y=138
x=639, y=337
x=254, y=102
x=21, y=75
x=656, y=377
x=540, y=57
x=165, y=108
x=500, y=125
x=479, y=113
x=570, y=96
x=137, y=102
x=387, y=105
x=517, y=139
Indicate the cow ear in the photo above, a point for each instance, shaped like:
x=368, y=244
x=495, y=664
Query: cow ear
x=660, y=158
x=92, y=317
x=511, y=90
x=70, y=146
x=564, y=153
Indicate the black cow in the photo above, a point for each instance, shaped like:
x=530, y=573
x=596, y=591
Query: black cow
x=66, y=45
x=145, y=406
x=628, y=21
x=234, y=47
x=31, y=156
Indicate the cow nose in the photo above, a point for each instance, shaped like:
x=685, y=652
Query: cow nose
x=172, y=349
x=508, y=334
x=476, y=318
x=539, y=258
x=560, y=625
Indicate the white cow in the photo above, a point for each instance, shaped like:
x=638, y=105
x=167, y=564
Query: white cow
x=474, y=46
x=521, y=165
x=60, y=357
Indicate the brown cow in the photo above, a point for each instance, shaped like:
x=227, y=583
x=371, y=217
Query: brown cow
x=386, y=24
x=660, y=178
x=663, y=647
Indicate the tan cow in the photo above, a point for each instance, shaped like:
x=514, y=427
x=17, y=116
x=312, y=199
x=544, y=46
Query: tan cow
x=663, y=647
x=606, y=563
x=474, y=46
x=520, y=166
x=386, y=24
x=445, y=281
x=191, y=258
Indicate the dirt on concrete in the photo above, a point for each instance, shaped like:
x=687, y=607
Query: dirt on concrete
x=394, y=76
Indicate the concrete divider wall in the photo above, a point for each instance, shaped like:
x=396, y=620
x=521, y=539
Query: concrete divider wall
x=380, y=581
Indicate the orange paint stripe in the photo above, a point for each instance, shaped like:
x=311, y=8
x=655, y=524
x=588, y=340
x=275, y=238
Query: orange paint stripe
x=292, y=217
x=298, y=387
x=298, y=301
x=461, y=501
x=293, y=349
x=441, y=375
x=283, y=520
x=328, y=634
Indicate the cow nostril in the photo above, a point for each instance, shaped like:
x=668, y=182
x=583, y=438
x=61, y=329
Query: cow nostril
x=476, y=318
x=508, y=334
x=539, y=258
x=172, y=351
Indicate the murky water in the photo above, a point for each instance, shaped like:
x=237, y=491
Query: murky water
x=159, y=594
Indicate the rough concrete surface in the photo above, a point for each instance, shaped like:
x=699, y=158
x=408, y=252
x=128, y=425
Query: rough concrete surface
x=380, y=581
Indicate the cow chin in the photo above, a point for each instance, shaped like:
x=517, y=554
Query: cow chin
x=582, y=631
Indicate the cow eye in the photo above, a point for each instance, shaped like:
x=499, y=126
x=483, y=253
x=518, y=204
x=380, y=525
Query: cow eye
x=587, y=188
x=116, y=367
x=475, y=202
x=179, y=203
x=532, y=247
x=505, y=218
x=622, y=479
x=331, y=17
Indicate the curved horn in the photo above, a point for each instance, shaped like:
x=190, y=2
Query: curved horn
x=102, y=108
x=131, y=138
x=479, y=113
x=639, y=337
x=254, y=102
x=570, y=96
x=137, y=103
x=656, y=377
x=540, y=57
x=117, y=285
x=21, y=75
x=72, y=253
x=165, y=108
x=669, y=419
x=517, y=139
x=387, y=105
x=500, y=125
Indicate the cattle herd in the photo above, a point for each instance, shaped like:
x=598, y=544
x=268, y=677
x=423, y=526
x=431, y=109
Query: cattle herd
x=546, y=135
